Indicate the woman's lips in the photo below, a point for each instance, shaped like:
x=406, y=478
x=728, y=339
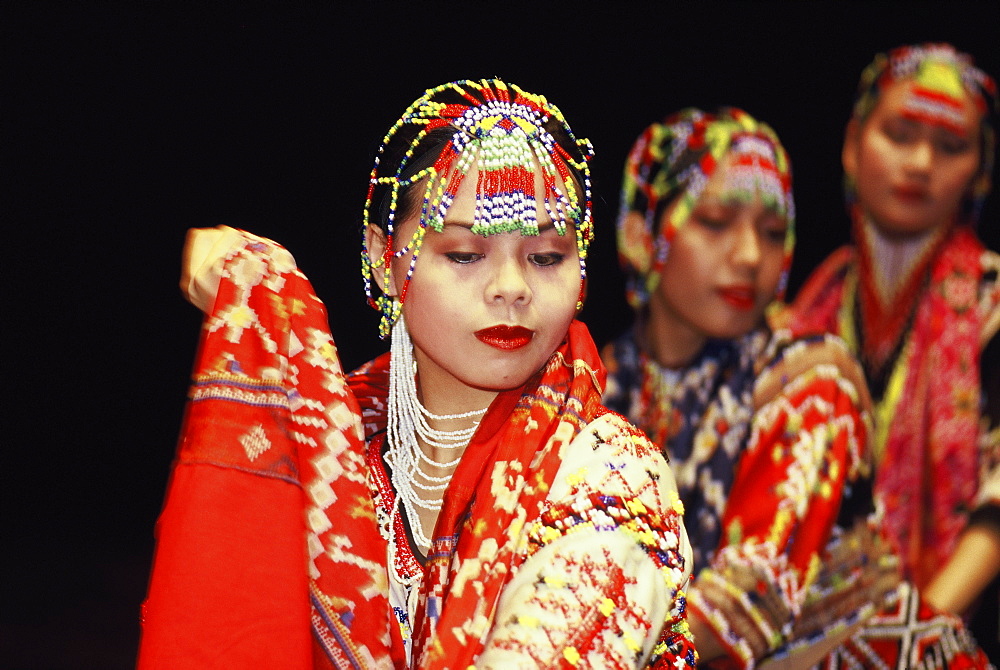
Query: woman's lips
x=507, y=338
x=740, y=297
x=909, y=193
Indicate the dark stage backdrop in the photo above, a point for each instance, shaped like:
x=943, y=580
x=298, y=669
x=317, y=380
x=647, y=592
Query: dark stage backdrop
x=125, y=125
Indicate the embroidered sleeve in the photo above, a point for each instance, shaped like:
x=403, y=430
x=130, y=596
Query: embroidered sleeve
x=267, y=552
x=807, y=443
x=608, y=563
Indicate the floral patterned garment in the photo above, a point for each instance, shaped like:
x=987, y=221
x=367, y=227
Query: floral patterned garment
x=766, y=436
x=561, y=541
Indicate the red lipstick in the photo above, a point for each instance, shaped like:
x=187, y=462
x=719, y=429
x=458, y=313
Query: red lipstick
x=740, y=297
x=910, y=193
x=507, y=338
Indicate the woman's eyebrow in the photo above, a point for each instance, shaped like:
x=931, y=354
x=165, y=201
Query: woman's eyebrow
x=459, y=224
x=963, y=134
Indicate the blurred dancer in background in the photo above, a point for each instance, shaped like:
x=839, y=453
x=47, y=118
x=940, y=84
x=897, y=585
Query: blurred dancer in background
x=766, y=434
x=917, y=299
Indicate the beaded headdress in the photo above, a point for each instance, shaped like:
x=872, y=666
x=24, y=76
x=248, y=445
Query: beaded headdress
x=672, y=161
x=506, y=133
x=943, y=74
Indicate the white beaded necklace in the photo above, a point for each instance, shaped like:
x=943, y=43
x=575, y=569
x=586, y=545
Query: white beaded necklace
x=408, y=419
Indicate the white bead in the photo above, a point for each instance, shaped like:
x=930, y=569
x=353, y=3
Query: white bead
x=408, y=419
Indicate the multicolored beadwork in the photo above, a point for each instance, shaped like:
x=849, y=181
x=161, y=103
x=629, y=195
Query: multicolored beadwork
x=506, y=134
x=941, y=76
x=672, y=161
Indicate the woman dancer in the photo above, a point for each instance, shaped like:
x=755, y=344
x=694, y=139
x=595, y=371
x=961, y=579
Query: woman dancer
x=466, y=498
x=767, y=435
x=917, y=298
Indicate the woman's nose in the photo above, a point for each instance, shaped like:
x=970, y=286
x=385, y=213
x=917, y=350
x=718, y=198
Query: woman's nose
x=509, y=283
x=746, y=250
x=920, y=157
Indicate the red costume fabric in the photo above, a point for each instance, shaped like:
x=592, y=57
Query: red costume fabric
x=927, y=435
x=270, y=549
x=767, y=438
x=930, y=410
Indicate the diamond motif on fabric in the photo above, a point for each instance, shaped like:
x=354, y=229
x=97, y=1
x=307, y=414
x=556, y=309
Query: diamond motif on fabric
x=255, y=442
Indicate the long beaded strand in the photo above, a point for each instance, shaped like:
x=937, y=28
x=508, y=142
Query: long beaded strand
x=408, y=420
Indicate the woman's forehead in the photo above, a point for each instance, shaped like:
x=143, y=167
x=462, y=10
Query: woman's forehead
x=456, y=237
x=953, y=109
x=459, y=226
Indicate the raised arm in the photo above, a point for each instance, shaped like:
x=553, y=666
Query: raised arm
x=248, y=534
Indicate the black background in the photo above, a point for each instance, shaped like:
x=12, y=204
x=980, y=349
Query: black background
x=124, y=125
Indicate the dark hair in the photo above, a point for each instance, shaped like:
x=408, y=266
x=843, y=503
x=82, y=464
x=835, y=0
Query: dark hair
x=424, y=155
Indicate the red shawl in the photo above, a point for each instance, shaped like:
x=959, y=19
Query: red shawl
x=497, y=488
x=272, y=429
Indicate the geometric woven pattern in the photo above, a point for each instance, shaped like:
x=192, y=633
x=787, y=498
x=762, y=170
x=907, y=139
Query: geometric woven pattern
x=908, y=634
x=255, y=442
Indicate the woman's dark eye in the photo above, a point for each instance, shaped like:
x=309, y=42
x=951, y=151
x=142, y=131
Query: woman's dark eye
x=711, y=222
x=773, y=228
x=545, y=260
x=952, y=145
x=776, y=234
x=463, y=257
x=900, y=131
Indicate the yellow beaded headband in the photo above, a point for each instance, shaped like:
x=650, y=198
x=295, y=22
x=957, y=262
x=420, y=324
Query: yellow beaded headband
x=509, y=136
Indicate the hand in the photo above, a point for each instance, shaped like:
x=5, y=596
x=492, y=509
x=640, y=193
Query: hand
x=203, y=247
